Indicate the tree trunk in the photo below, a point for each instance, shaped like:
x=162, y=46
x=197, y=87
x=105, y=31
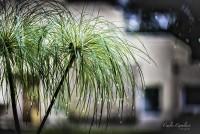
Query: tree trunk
x=12, y=92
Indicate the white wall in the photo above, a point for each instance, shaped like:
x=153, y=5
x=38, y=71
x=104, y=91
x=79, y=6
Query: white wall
x=165, y=50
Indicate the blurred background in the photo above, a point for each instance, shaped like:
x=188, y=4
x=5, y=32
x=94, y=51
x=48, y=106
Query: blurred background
x=170, y=31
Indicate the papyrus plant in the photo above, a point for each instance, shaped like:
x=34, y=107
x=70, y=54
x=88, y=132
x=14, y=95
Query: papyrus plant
x=21, y=29
x=90, y=57
x=81, y=54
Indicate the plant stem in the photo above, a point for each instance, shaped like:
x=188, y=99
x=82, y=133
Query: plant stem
x=56, y=94
x=12, y=92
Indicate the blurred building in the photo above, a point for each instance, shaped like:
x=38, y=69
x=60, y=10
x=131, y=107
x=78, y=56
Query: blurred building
x=172, y=84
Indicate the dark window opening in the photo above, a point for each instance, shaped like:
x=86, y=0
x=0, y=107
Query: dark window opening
x=192, y=95
x=152, y=99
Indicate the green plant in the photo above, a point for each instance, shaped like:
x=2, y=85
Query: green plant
x=18, y=27
x=89, y=56
x=68, y=53
x=10, y=52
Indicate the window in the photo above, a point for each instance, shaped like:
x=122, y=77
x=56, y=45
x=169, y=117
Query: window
x=191, y=98
x=152, y=103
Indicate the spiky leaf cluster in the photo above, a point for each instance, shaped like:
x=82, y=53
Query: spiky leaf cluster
x=46, y=42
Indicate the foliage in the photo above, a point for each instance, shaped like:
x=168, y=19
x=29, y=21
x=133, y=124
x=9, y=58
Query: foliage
x=102, y=64
x=17, y=23
x=68, y=54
